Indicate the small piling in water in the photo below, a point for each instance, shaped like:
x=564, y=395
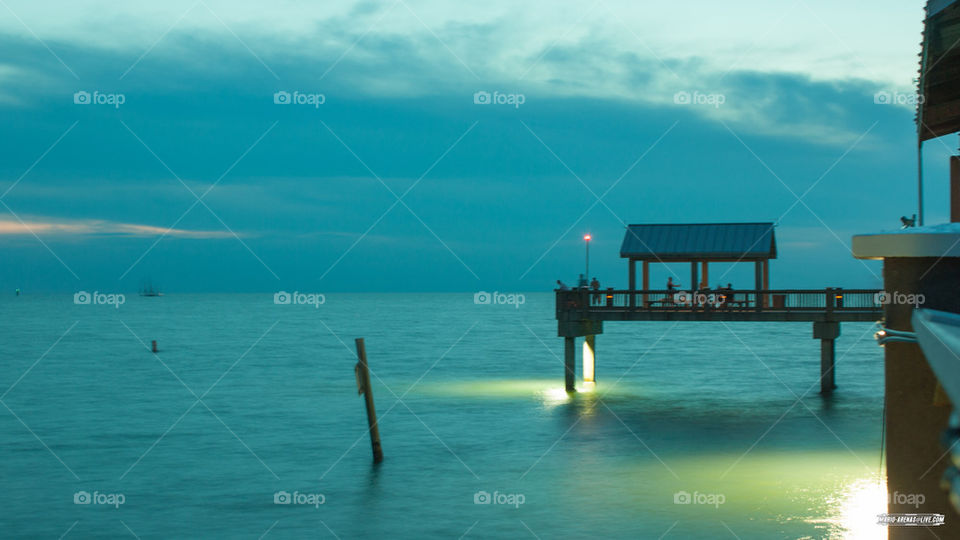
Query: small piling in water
x=153, y=345
x=362, y=371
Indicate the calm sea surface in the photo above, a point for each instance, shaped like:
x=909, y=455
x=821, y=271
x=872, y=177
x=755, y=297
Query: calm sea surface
x=247, y=400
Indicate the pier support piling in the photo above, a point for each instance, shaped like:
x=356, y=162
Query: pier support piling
x=570, y=363
x=589, y=359
x=827, y=332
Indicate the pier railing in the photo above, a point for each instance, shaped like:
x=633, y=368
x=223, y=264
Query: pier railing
x=774, y=300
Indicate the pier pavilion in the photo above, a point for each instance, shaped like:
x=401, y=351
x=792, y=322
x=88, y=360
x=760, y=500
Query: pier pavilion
x=582, y=312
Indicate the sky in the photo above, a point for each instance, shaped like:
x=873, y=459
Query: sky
x=435, y=146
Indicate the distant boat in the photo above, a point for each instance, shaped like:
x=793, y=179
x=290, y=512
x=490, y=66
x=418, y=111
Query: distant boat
x=148, y=290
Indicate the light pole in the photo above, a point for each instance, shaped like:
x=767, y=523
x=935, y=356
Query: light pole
x=586, y=239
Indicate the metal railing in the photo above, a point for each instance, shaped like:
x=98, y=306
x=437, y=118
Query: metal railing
x=774, y=300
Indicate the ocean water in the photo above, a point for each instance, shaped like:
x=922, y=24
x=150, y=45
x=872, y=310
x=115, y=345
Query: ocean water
x=693, y=430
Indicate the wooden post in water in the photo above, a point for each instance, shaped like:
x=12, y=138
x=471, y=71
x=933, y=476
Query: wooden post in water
x=363, y=386
x=154, y=346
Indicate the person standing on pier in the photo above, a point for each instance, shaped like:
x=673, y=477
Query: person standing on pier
x=671, y=286
x=595, y=285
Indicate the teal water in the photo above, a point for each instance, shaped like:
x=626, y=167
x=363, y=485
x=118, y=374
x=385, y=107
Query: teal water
x=470, y=400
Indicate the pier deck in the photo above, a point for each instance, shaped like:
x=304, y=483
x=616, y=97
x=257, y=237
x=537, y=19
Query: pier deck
x=798, y=305
x=582, y=312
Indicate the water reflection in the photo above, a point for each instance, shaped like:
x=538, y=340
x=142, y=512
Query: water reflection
x=646, y=449
x=857, y=507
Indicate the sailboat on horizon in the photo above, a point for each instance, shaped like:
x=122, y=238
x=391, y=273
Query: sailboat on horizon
x=148, y=290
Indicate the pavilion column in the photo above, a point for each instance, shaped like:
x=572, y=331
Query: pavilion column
x=766, y=274
x=766, y=280
x=646, y=280
x=633, y=279
x=705, y=270
x=694, y=281
x=757, y=281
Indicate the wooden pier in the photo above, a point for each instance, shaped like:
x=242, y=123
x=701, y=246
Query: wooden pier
x=582, y=312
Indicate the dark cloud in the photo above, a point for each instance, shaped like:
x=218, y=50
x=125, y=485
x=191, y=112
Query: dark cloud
x=498, y=200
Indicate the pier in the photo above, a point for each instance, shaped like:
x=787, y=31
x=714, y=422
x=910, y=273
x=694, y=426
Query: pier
x=582, y=312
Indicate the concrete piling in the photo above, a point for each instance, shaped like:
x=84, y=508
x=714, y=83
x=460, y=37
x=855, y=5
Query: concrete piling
x=827, y=332
x=570, y=363
x=589, y=359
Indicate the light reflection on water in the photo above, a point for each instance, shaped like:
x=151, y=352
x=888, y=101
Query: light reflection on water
x=834, y=491
x=859, y=504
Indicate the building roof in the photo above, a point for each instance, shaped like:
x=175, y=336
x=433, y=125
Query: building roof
x=700, y=241
x=938, y=109
x=936, y=6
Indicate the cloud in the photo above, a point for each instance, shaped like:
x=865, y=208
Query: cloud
x=819, y=38
x=613, y=53
x=598, y=97
x=95, y=227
